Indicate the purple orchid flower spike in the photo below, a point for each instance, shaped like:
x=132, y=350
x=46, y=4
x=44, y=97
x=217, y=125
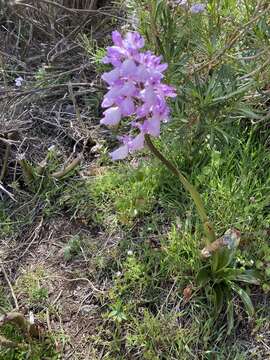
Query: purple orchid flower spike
x=135, y=90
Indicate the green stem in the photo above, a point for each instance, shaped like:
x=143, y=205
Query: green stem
x=154, y=29
x=208, y=227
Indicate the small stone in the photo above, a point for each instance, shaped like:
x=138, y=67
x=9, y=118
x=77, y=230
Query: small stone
x=87, y=309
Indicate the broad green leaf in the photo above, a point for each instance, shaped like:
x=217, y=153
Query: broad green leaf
x=222, y=259
x=228, y=274
x=250, y=277
x=215, y=262
x=245, y=298
x=218, y=296
x=203, y=276
x=229, y=309
x=249, y=113
x=230, y=317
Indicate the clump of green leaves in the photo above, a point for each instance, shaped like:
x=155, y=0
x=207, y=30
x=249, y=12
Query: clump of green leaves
x=32, y=285
x=7, y=225
x=94, y=51
x=73, y=248
x=117, y=196
x=222, y=280
x=263, y=265
x=35, y=349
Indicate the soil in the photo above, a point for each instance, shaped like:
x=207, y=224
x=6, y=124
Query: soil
x=73, y=306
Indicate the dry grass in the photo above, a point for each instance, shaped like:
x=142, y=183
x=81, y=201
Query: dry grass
x=62, y=294
x=41, y=45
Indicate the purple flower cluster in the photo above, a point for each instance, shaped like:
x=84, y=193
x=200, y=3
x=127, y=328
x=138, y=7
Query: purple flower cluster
x=194, y=9
x=135, y=90
x=197, y=8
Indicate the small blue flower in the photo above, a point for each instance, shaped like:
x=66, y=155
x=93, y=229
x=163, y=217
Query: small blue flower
x=181, y=2
x=197, y=8
x=19, y=81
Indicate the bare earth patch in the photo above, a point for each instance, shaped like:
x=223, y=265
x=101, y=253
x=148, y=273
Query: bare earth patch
x=72, y=302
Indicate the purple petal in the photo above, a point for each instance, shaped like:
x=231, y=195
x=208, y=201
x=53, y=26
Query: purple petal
x=162, y=67
x=155, y=77
x=114, y=55
x=115, y=51
x=142, y=74
x=129, y=89
x=167, y=90
x=106, y=60
x=137, y=143
x=143, y=110
x=115, y=91
x=149, y=96
x=125, y=139
x=134, y=40
x=137, y=125
x=111, y=77
x=152, y=126
x=128, y=68
x=112, y=96
x=120, y=153
x=117, y=38
x=112, y=116
x=18, y=81
x=107, y=102
x=161, y=110
x=127, y=107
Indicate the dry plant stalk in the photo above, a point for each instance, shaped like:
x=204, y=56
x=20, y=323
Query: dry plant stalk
x=60, y=174
x=7, y=139
x=5, y=162
x=229, y=240
x=4, y=342
x=27, y=169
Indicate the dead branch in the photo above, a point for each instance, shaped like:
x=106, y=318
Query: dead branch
x=5, y=160
x=60, y=174
x=7, y=192
x=11, y=288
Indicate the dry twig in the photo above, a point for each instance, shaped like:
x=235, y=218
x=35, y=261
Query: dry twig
x=60, y=174
x=7, y=192
x=10, y=287
x=34, y=237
